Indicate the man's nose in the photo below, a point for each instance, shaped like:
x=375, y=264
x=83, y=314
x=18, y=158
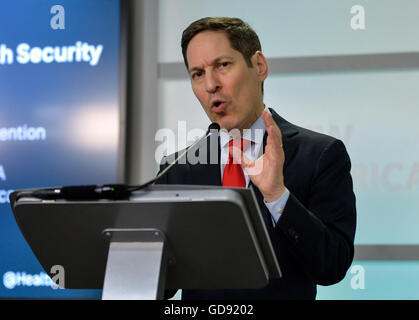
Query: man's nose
x=212, y=82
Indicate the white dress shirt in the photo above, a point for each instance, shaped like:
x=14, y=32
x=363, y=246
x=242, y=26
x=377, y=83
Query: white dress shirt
x=254, y=151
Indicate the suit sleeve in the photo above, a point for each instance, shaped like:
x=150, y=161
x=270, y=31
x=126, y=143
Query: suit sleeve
x=322, y=232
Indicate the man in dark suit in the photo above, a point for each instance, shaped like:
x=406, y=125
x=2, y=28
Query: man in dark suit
x=301, y=178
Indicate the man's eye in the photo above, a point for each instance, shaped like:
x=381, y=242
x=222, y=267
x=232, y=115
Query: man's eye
x=224, y=64
x=196, y=75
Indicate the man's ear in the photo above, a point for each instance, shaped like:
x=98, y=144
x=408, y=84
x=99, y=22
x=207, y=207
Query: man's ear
x=260, y=63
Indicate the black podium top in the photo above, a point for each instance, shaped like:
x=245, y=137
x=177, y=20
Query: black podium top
x=216, y=236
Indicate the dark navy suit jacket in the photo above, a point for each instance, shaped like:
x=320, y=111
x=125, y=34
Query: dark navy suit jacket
x=313, y=239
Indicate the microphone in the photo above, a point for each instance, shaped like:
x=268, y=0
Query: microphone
x=213, y=126
x=86, y=192
x=110, y=191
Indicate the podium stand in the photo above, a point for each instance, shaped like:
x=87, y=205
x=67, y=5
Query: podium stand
x=163, y=237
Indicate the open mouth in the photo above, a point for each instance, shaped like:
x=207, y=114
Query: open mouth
x=218, y=106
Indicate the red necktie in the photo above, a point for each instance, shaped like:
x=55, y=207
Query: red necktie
x=233, y=175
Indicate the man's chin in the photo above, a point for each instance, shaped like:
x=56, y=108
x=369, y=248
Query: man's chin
x=226, y=121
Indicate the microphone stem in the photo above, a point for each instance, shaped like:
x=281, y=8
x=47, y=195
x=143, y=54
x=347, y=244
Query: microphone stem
x=172, y=164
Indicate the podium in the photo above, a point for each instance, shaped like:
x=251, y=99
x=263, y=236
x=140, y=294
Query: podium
x=162, y=237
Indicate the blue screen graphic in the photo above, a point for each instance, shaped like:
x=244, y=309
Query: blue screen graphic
x=59, y=116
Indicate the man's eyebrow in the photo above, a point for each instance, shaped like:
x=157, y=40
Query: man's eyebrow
x=216, y=60
x=194, y=69
x=213, y=62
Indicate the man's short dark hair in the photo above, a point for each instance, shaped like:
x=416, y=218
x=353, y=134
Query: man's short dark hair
x=241, y=36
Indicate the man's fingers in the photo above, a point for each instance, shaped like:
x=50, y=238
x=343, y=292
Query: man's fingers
x=275, y=136
x=269, y=122
x=267, y=118
x=273, y=143
x=274, y=133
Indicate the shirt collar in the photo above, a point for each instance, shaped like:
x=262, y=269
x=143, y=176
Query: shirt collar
x=254, y=133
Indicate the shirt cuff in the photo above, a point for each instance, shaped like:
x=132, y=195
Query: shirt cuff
x=277, y=207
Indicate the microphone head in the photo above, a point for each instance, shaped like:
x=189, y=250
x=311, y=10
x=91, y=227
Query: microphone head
x=214, y=126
